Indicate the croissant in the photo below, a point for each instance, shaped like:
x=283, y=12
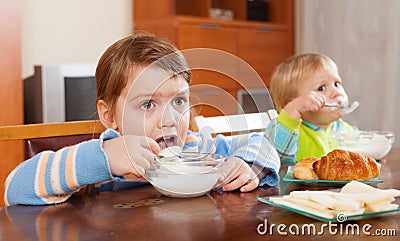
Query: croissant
x=345, y=165
x=304, y=169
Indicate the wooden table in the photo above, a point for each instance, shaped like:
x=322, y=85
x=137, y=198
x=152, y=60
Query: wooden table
x=143, y=214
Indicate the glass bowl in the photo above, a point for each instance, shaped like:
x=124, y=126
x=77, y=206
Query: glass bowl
x=190, y=174
x=375, y=144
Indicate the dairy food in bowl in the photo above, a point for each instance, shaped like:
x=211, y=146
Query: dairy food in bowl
x=375, y=144
x=188, y=174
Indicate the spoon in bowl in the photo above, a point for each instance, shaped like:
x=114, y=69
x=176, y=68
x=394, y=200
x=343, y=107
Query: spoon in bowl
x=346, y=110
x=170, y=153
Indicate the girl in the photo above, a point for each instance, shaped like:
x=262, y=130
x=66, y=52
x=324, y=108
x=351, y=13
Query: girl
x=143, y=99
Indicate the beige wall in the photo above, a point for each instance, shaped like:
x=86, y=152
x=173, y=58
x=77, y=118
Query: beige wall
x=363, y=38
x=71, y=31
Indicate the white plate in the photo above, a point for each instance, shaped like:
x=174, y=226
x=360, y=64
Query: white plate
x=314, y=215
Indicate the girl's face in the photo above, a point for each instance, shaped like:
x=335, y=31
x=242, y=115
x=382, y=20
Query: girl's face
x=329, y=84
x=155, y=105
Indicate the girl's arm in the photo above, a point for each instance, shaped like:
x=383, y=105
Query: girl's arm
x=52, y=177
x=255, y=150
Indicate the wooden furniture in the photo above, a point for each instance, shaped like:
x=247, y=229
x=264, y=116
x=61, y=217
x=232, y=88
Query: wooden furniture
x=261, y=44
x=141, y=213
x=11, y=91
x=32, y=131
x=49, y=136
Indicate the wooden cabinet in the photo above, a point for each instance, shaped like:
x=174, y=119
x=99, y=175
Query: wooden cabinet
x=212, y=100
x=11, y=152
x=263, y=49
x=253, y=45
x=207, y=35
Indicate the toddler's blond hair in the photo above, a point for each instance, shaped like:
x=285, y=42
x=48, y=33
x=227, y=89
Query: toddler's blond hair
x=293, y=72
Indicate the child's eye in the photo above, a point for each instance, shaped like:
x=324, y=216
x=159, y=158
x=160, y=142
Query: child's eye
x=337, y=84
x=147, y=105
x=321, y=88
x=179, y=101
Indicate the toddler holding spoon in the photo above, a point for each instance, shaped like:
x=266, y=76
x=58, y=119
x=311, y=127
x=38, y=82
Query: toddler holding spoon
x=301, y=87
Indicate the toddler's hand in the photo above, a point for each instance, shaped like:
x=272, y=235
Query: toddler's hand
x=237, y=173
x=130, y=154
x=312, y=101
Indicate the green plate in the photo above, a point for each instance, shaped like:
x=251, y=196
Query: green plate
x=334, y=219
x=289, y=178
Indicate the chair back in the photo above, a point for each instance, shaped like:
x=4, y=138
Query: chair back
x=51, y=136
x=235, y=124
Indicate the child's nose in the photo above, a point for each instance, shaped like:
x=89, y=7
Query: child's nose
x=168, y=117
x=335, y=92
x=338, y=95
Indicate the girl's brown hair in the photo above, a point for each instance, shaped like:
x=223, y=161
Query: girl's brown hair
x=289, y=75
x=117, y=64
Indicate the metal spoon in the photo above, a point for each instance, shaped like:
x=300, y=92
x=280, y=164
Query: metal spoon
x=170, y=153
x=346, y=110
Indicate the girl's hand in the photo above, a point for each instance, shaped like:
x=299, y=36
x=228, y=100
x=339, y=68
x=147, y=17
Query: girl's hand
x=312, y=101
x=130, y=154
x=236, y=173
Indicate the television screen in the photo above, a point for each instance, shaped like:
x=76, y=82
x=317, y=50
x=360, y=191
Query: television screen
x=254, y=100
x=80, y=98
x=60, y=92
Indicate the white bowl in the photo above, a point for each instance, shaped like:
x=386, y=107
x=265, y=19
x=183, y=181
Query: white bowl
x=375, y=144
x=193, y=175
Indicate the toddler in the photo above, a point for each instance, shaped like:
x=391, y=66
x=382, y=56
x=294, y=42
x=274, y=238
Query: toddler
x=300, y=88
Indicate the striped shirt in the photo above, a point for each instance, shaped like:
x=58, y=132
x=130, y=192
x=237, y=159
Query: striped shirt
x=52, y=177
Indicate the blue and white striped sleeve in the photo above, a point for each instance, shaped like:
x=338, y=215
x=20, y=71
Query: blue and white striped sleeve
x=52, y=177
x=252, y=148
